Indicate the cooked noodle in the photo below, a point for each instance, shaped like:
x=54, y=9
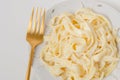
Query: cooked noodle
x=81, y=46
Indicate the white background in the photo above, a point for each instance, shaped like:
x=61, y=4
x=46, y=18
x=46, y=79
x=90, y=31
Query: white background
x=14, y=50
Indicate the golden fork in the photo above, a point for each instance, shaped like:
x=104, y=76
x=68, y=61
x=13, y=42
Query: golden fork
x=35, y=34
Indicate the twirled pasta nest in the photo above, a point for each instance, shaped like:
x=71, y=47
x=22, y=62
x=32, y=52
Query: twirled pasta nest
x=81, y=46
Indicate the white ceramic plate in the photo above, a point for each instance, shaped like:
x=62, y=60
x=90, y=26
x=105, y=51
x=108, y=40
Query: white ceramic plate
x=71, y=6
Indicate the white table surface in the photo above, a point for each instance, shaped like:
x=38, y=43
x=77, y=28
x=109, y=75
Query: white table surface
x=14, y=50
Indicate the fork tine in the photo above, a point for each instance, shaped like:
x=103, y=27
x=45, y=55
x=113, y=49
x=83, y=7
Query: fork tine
x=35, y=21
x=42, y=22
x=30, y=22
x=38, y=24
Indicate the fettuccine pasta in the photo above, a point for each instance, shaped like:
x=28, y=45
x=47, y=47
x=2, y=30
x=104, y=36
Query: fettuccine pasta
x=81, y=46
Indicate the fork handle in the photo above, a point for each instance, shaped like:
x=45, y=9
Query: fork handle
x=30, y=64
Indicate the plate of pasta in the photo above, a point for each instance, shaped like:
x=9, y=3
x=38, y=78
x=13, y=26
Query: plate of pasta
x=81, y=42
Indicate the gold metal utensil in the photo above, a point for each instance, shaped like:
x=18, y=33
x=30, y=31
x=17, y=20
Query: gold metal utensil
x=35, y=34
